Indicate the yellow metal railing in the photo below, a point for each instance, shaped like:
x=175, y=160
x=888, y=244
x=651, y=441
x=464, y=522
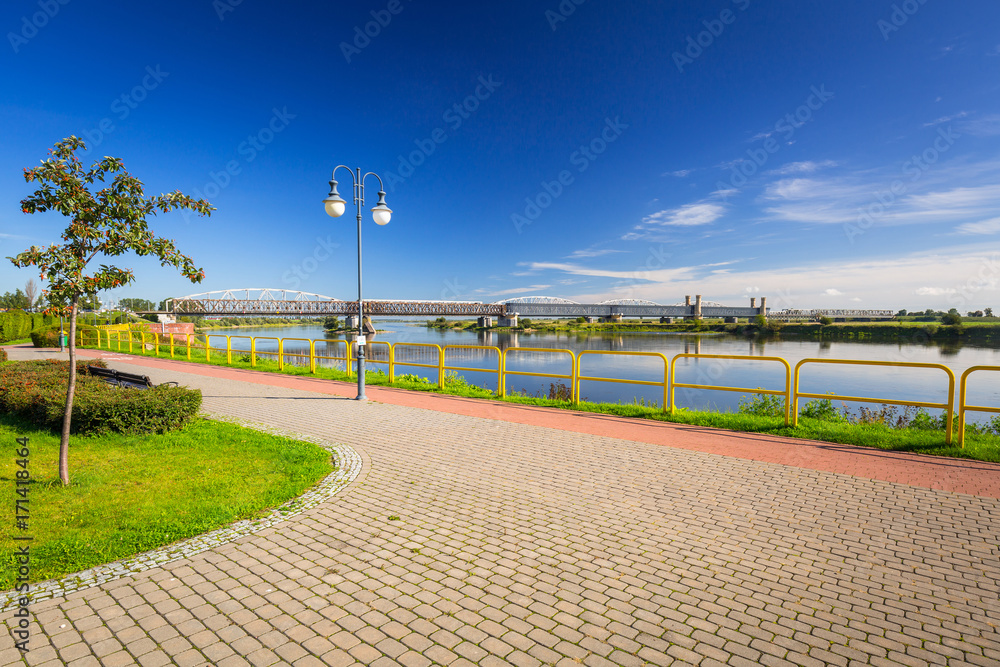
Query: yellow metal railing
x=504, y=372
x=118, y=337
x=964, y=407
x=484, y=348
x=948, y=406
x=346, y=358
x=439, y=366
x=733, y=357
x=666, y=373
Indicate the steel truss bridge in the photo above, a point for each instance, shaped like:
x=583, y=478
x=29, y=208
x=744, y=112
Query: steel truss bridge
x=256, y=301
x=264, y=302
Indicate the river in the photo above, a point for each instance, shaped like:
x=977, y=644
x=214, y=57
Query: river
x=881, y=382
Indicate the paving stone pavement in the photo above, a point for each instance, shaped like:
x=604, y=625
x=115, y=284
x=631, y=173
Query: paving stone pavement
x=468, y=541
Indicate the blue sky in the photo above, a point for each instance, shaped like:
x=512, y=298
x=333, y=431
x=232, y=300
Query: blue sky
x=820, y=154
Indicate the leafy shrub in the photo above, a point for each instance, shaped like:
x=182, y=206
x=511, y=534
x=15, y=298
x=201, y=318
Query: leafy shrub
x=822, y=409
x=525, y=323
x=36, y=391
x=826, y=321
x=763, y=405
x=951, y=319
x=49, y=336
x=3, y=355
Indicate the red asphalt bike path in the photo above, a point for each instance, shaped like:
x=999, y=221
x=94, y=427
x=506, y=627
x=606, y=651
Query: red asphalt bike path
x=932, y=472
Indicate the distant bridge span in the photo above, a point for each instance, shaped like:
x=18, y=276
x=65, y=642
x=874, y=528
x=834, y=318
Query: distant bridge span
x=257, y=301
x=262, y=302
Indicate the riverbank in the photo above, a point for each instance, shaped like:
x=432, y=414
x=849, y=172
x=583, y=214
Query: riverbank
x=912, y=332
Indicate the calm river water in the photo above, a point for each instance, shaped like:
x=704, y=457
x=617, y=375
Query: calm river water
x=879, y=382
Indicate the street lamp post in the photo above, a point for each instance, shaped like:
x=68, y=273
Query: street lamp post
x=335, y=206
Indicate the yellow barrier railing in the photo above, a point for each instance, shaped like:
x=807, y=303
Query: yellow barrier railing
x=964, y=407
x=787, y=393
x=119, y=336
x=346, y=358
x=439, y=365
x=484, y=348
x=371, y=359
x=504, y=372
x=666, y=373
x=948, y=406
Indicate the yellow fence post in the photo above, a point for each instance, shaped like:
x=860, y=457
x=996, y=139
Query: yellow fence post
x=281, y=354
x=253, y=352
x=229, y=350
x=312, y=357
x=188, y=340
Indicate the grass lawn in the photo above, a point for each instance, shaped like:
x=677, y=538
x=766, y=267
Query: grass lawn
x=129, y=494
x=978, y=446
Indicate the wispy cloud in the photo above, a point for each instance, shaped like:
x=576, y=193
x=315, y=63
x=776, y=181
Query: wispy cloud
x=984, y=126
x=947, y=119
x=806, y=167
x=583, y=254
x=991, y=226
x=518, y=290
x=680, y=173
x=842, y=199
x=926, y=278
x=689, y=215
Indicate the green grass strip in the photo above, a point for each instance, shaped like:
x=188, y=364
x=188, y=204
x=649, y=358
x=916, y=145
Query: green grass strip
x=130, y=494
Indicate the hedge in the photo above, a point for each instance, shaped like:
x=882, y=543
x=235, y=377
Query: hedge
x=17, y=324
x=49, y=336
x=36, y=391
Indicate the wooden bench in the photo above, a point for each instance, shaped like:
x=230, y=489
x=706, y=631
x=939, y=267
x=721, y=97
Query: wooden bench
x=123, y=379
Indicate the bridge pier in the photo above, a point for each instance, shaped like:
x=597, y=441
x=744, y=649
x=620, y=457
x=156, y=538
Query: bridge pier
x=351, y=322
x=508, y=320
x=485, y=322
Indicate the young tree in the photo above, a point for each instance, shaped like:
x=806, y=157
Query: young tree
x=31, y=292
x=107, y=223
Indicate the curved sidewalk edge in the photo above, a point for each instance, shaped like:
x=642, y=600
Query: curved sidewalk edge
x=349, y=465
x=933, y=472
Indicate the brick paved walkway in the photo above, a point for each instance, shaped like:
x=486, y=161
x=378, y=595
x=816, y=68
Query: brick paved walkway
x=522, y=544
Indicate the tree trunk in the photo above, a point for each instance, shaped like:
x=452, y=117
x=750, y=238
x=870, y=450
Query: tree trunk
x=70, y=389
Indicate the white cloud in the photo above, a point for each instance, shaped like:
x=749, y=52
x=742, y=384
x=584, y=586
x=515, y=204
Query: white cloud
x=986, y=126
x=947, y=119
x=833, y=292
x=933, y=291
x=689, y=215
x=520, y=290
x=806, y=167
x=581, y=254
x=680, y=173
x=991, y=226
x=845, y=199
x=962, y=277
